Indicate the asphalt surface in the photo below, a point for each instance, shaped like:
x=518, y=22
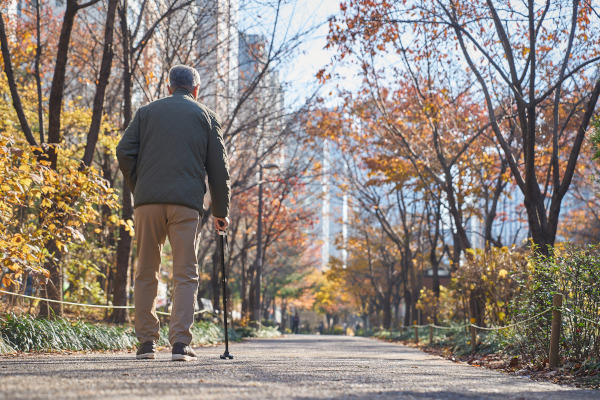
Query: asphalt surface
x=292, y=367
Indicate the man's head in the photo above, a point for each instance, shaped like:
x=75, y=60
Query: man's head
x=182, y=76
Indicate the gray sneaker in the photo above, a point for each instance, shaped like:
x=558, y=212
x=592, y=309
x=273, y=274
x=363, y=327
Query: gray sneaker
x=146, y=351
x=183, y=352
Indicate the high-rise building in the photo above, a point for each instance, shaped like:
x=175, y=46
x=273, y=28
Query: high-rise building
x=217, y=59
x=16, y=7
x=332, y=229
x=261, y=100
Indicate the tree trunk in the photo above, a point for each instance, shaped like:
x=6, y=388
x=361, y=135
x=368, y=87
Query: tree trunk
x=245, y=292
x=123, y=249
x=407, y=305
x=57, y=88
x=38, y=78
x=55, y=283
x=283, y=314
x=477, y=306
x=492, y=211
x=436, y=278
x=455, y=211
x=10, y=77
x=396, y=306
x=54, y=290
x=433, y=258
x=102, y=83
x=251, y=290
x=387, y=312
x=124, y=243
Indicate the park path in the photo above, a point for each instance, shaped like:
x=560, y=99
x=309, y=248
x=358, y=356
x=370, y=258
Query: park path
x=292, y=367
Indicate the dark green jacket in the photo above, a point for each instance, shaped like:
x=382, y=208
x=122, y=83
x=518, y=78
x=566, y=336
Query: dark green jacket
x=167, y=151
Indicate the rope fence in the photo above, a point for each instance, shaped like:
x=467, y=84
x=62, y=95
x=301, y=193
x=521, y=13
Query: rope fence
x=483, y=328
x=89, y=305
x=556, y=323
x=448, y=327
x=402, y=327
x=63, y=302
x=557, y=309
x=580, y=316
x=499, y=328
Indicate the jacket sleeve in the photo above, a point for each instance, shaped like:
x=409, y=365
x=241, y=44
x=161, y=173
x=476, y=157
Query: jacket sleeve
x=217, y=169
x=127, y=151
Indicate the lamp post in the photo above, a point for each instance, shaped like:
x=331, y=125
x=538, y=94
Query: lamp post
x=258, y=271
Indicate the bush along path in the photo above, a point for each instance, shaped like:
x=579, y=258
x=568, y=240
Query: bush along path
x=548, y=328
x=27, y=334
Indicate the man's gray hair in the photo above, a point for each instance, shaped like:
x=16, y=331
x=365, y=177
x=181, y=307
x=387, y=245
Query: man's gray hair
x=183, y=76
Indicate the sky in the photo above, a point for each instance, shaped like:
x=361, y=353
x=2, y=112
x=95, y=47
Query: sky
x=296, y=16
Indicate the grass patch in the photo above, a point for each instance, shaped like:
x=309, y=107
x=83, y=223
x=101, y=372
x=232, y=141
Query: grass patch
x=5, y=348
x=204, y=333
x=457, y=339
x=265, y=332
x=23, y=333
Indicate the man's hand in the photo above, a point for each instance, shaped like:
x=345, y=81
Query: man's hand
x=221, y=223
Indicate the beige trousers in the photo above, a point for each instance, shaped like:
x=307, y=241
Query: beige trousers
x=153, y=223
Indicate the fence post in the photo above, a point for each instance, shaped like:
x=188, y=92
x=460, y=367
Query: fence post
x=557, y=299
x=473, y=334
x=416, y=333
x=430, y=334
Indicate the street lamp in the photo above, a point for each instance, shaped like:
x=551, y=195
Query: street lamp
x=258, y=274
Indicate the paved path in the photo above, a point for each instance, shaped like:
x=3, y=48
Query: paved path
x=293, y=367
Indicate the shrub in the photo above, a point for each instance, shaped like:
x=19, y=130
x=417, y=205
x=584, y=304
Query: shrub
x=5, y=348
x=266, y=332
x=573, y=271
x=24, y=333
x=39, y=205
x=447, y=308
x=203, y=333
x=518, y=289
x=490, y=277
x=244, y=330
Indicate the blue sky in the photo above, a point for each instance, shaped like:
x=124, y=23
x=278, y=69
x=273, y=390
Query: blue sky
x=296, y=16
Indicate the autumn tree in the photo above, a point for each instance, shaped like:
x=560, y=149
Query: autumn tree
x=136, y=35
x=514, y=55
x=55, y=110
x=48, y=77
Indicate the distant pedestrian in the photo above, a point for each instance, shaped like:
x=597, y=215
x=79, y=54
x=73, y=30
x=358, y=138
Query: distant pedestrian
x=321, y=328
x=295, y=323
x=169, y=148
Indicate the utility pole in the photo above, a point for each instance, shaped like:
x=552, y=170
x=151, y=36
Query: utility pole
x=258, y=272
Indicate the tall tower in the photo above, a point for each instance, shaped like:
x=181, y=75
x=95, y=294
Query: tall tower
x=263, y=108
x=326, y=207
x=218, y=54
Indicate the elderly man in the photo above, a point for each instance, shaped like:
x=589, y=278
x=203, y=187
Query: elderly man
x=166, y=152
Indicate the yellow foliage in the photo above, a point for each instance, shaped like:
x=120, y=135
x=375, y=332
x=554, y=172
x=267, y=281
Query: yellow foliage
x=39, y=205
x=492, y=274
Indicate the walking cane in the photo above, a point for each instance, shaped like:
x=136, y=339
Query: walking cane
x=222, y=241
